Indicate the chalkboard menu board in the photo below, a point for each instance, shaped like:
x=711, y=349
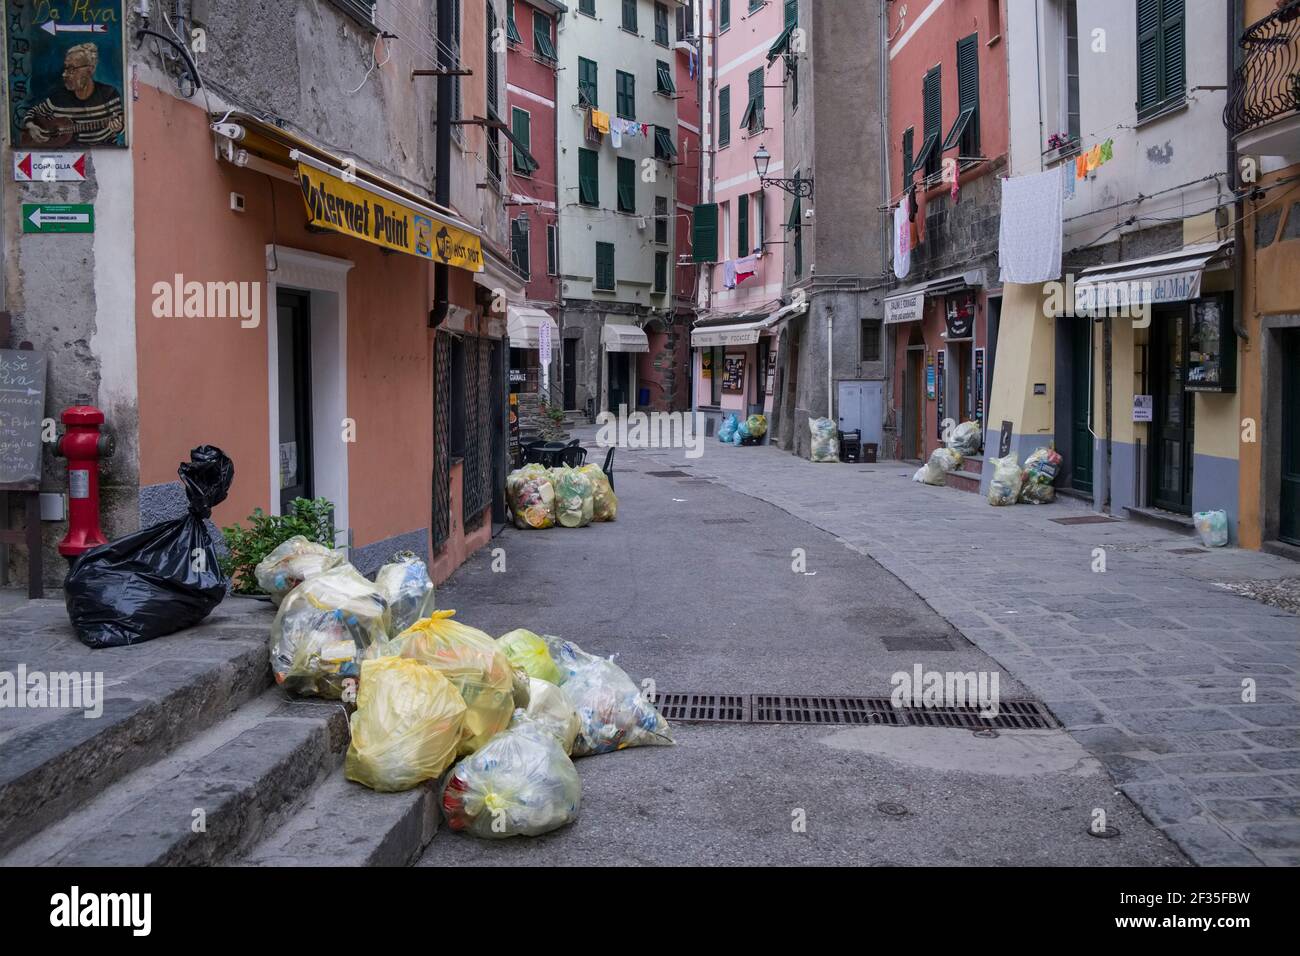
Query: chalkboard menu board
x=22, y=407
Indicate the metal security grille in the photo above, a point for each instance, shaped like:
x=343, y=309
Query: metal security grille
x=441, y=454
x=476, y=492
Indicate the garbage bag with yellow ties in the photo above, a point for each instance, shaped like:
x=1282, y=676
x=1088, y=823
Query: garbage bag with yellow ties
x=527, y=651
x=324, y=629
x=473, y=662
x=407, y=725
x=521, y=783
x=604, y=500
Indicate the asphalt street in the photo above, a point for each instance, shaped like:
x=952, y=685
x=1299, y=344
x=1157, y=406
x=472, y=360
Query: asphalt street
x=702, y=589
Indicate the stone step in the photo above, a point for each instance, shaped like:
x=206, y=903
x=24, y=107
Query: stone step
x=157, y=695
x=346, y=824
x=212, y=801
x=963, y=480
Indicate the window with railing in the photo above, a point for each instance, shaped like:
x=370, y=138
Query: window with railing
x=1266, y=83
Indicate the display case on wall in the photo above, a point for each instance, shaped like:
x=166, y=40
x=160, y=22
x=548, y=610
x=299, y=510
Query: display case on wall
x=1211, y=346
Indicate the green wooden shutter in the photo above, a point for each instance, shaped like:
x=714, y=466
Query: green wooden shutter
x=724, y=14
x=605, y=266
x=625, y=99
x=519, y=246
x=704, y=232
x=932, y=98
x=629, y=15
x=968, y=92
x=588, y=7
x=791, y=14
x=795, y=224
x=587, y=82
x=521, y=128
x=742, y=226
x=1173, y=71
x=626, y=185
x=551, y=250
x=724, y=116
x=588, y=178
x=1148, y=54
x=753, y=120
x=661, y=220
x=907, y=156
x=661, y=272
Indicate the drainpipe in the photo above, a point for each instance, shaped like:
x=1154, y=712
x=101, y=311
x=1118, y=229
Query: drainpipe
x=1106, y=355
x=830, y=362
x=442, y=154
x=1239, y=204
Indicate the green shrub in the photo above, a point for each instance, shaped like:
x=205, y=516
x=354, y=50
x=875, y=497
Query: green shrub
x=313, y=518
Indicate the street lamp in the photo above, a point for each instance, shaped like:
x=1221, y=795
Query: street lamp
x=802, y=188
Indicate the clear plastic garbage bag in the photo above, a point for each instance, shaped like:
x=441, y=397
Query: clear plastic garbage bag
x=612, y=712
x=406, y=585
x=604, y=500
x=527, y=651
x=550, y=708
x=825, y=443
x=521, y=783
x=966, y=438
x=942, y=461
x=473, y=662
x=325, y=628
x=532, y=497
x=575, y=500
x=1212, y=526
x=406, y=727
x=1037, y=476
x=1005, y=483
x=292, y=562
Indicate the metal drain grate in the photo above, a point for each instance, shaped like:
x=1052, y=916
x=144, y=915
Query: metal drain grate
x=668, y=474
x=850, y=711
x=783, y=709
x=1086, y=519
x=704, y=708
x=726, y=521
x=1012, y=715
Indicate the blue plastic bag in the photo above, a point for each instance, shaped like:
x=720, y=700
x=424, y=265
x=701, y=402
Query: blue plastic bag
x=728, y=430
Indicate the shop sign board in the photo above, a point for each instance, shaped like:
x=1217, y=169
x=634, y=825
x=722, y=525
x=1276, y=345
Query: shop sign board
x=904, y=308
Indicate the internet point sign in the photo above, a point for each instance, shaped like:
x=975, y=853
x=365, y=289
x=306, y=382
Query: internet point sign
x=353, y=210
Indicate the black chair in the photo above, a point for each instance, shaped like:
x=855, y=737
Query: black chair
x=531, y=452
x=608, y=468
x=574, y=456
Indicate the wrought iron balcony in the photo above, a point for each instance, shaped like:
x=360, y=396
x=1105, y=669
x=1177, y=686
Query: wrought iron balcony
x=1266, y=85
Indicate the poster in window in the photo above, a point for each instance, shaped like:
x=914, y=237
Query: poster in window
x=706, y=363
x=66, y=73
x=733, y=373
x=771, y=372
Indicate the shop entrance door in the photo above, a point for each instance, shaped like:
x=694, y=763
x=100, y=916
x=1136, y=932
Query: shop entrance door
x=1172, y=425
x=570, y=374
x=1081, y=441
x=964, y=368
x=293, y=331
x=1289, y=510
x=620, y=380
x=914, y=404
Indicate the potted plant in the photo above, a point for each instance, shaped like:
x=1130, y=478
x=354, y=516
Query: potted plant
x=313, y=518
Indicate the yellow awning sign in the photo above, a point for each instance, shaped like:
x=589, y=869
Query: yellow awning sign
x=353, y=210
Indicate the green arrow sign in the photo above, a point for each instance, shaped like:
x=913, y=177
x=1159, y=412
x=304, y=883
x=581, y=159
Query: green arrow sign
x=54, y=217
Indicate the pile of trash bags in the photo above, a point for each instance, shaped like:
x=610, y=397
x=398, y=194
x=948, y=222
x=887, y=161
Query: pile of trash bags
x=825, y=441
x=496, y=723
x=735, y=431
x=1011, y=484
x=727, y=433
x=541, y=497
x=942, y=461
x=160, y=579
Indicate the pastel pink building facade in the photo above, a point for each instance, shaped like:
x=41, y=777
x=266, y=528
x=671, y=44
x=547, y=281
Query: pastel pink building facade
x=744, y=93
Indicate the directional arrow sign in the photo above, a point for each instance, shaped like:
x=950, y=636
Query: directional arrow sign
x=54, y=27
x=54, y=217
x=49, y=167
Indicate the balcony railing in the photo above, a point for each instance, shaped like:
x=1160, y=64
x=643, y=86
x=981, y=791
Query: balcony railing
x=1266, y=85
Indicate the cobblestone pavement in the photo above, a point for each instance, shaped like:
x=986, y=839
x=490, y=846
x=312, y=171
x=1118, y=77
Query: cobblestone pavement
x=1144, y=663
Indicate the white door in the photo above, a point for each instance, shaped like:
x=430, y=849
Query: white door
x=861, y=409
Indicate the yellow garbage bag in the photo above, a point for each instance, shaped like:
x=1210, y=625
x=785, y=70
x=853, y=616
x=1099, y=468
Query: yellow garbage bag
x=604, y=500
x=473, y=662
x=549, y=707
x=406, y=727
x=527, y=651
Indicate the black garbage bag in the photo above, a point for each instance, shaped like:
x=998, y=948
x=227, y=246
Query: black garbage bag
x=160, y=579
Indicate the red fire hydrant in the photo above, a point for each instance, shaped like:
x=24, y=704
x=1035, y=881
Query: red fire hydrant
x=83, y=445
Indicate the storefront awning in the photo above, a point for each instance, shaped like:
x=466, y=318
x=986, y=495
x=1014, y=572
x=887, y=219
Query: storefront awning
x=617, y=337
x=524, y=327
x=790, y=311
x=908, y=305
x=344, y=197
x=1170, y=277
x=743, y=328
